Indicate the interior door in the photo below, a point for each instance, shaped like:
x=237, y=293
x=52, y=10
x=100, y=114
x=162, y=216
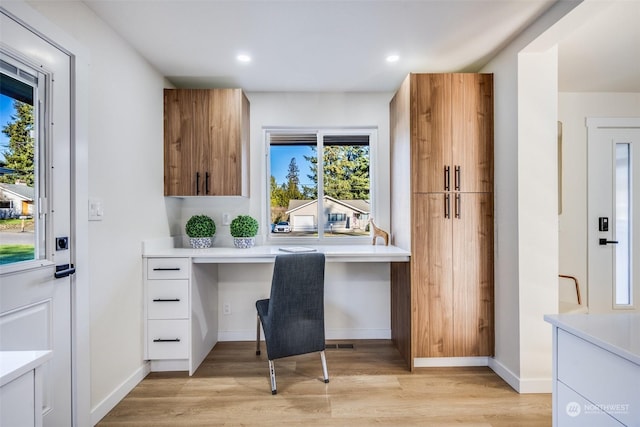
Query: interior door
x=35, y=306
x=613, y=215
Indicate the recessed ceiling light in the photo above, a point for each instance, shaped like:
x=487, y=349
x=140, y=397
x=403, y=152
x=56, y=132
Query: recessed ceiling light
x=393, y=58
x=243, y=58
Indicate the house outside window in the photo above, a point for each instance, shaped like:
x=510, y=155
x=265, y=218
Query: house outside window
x=320, y=183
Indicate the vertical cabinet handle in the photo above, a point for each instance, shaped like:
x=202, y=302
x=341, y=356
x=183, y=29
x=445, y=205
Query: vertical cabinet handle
x=206, y=183
x=457, y=206
x=456, y=177
x=446, y=178
x=447, y=206
x=197, y=183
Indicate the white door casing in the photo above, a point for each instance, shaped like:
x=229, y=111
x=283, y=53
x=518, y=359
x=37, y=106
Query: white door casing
x=35, y=308
x=605, y=136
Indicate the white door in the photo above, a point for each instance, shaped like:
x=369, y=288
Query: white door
x=35, y=307
x=613, y=215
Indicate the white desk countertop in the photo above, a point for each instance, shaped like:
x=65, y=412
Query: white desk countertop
x=267, y=253
x=13, y=364
x=617, y=333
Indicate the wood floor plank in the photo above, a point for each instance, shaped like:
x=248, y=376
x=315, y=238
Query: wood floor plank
x=369, y=385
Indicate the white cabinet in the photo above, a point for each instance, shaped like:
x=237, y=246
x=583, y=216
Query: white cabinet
x=179, y=298
x=596, y=370
x=21, y=389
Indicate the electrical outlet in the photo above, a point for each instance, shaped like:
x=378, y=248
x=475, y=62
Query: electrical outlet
x=226, y=308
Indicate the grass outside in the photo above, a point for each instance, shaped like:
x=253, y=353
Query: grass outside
x=15, y=253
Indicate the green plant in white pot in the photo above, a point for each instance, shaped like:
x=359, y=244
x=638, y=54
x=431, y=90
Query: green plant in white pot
x=201, y=230
x=244, y=229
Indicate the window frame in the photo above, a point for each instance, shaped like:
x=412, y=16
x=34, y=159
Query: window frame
x=40, y=81
x=321, y=132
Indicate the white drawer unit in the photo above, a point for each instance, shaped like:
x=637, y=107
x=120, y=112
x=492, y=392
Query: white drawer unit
x=167, y=299
x=596, y=369
x=168, y=339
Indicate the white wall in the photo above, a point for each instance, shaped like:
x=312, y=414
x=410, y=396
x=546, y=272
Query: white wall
x=126, y=172
x=368, y=284
x=512, y=285
x=573, y=109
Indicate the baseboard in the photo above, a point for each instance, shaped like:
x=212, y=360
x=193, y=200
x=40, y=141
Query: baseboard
x=330, y=334
x=441, y=362
x=505, y=373
x=522, y=386
x=101, y=409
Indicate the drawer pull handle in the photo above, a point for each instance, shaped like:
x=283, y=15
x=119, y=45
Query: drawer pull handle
x=166, y=300
x=166, y=269
x=165, y=340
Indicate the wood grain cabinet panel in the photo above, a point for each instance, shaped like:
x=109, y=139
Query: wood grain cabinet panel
x=206, y=142
x=442, y=161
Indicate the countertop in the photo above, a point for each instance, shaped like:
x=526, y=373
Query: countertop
x=13, y=364
x=267, y=253
x=617, y=333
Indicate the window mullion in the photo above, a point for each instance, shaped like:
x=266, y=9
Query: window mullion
x=320, y=150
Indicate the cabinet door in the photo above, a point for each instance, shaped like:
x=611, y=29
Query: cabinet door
x=432, y=275
x=223, y=153
x=473, y=274
x=431, y=132
x=472, y=132
x=179, y=141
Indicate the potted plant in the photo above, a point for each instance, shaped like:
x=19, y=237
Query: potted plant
x=244, y=229
x=201, y=230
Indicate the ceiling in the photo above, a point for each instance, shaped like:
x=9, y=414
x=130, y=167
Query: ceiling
x=341, y=46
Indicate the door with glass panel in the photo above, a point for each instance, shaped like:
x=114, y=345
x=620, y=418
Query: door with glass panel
x=613, y=215
x=36, y=233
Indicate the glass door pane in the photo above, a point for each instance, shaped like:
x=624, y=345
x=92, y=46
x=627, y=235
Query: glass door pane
x=623, y=280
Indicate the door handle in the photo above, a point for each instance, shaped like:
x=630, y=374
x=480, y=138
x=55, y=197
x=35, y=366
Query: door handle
x=447, y=178
x=456, y=178
x=606, y=242
x=197, y=183
x=64, y=270
x=447, y=206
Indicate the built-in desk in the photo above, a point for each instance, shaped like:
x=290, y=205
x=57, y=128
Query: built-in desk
x=181, y=294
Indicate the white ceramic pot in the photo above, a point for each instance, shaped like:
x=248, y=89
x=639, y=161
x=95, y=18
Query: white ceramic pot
x=244, y=242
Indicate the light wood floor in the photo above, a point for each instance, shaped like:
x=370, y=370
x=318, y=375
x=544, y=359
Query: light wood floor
x=369, y=385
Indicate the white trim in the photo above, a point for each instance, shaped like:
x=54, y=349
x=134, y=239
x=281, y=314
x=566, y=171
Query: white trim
x=522, y=386
x=169, y=365
x=110, y=402
x=439, y=362
x=330, y=334
x=612, y=122
x=505, y=373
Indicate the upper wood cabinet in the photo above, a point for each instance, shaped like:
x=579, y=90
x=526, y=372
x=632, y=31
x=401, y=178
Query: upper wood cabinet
x=452, y=116
x=206, y=142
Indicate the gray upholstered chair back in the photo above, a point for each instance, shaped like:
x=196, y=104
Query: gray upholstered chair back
x=294, y=323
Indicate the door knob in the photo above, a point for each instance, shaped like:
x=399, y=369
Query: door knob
x=606, y=242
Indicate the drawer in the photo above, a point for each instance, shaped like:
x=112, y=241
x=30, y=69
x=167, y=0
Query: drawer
x=574, y=410
x=167, y=299
x=168, y=339
x=600, y=376
x=167, y=268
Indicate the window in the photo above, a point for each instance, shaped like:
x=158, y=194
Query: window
x=22, y=234
x=320, y=183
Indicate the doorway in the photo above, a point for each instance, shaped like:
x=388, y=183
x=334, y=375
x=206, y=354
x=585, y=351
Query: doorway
x=613, y=250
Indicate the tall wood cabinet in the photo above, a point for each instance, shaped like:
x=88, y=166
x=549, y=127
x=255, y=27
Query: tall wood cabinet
x=206, y=142
x=442, y=211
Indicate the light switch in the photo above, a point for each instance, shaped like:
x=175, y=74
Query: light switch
x=226, y=219
x=96, y=211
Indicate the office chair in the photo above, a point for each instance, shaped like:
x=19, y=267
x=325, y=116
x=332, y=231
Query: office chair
x=293, y=317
